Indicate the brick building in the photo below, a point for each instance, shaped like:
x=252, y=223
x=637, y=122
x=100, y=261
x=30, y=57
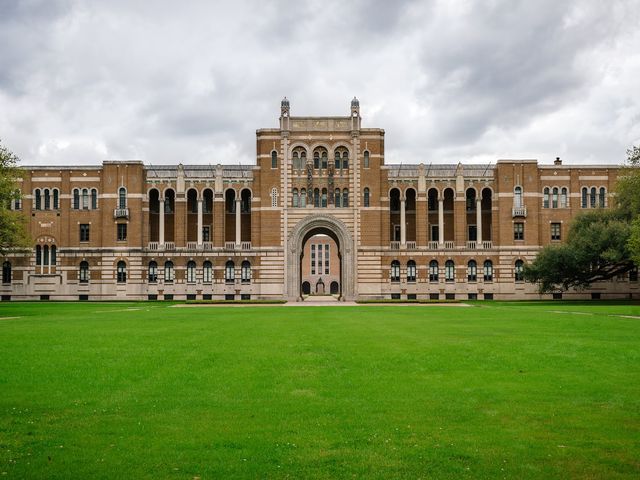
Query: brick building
x=125, y=230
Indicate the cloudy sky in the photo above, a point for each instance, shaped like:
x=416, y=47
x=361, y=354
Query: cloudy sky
x=167, y=82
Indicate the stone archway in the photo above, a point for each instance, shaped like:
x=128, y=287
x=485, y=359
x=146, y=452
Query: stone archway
x=304, y=229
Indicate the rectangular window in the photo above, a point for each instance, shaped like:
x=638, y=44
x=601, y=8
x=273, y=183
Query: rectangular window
x=395, y=296
x=518, y=231
x=488, y=296
x=84, y=232
x=206, y=233
x=555, y=231
x=313, y=259
x=434, y=296
x=326, y=259
x=122, y=232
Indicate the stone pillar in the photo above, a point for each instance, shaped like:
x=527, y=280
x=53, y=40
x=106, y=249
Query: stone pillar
x=403, y=222
x=199, y=222
x=161, y=225
x=238, y=224
x=441, y=220
x=479, y=221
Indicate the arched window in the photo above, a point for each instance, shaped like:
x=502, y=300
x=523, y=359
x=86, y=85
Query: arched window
x=168, y=271
x=122, y=198
x=395, y=271
x=274, y=197
x=316, y=160
x=366, y=197
x=245, y=201
x=274, y=159
x=316, y=197
x=83, y=275
x=593, y=197
x=295, y=200
x=94, y=198
x=153, y=272
x=337, y=197
x=488, y=271
x=38, y=255
x=303, y=197
x=563, y=197
x=191, y=271
x=38, y=200
x=583, y=204
x=554, y=198
x=206, y=272
x=85, y=199
x=345, y=160
x=47, y=199
x=324, y=160
x=76, y=198
x=411, y=271
x=545, y=197
x=472, y=271
x=122, y=272
x=519, y=271
x=517, y=197
x=433, y=271
x=449, y=271
x=6, y=272
x=56, y=199
x=602, y=197
x=337, y=160
x=366, y=159
x=303, y=160
x=53, y=259
x=229, y=272
x=324, y=198
x=345, y=197
x=246, y=272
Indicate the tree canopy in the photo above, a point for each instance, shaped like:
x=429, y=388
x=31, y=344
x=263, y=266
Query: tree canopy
x=12, y=224
x=601, y=244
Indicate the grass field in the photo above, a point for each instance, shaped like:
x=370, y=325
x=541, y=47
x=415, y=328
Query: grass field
x=498, y=390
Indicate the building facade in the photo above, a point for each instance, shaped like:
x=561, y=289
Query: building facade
x=126, y=230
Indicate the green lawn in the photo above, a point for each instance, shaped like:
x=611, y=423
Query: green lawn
x=497, y=390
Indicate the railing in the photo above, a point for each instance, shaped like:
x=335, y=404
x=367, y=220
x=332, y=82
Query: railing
x=207, y=246
x=472, y=245
x=245, y=246
x=411, y=245
x=121, y=213
x=432, y=245
x=153, y=245
x=519, y=211
x=487, y=245
x=394, y=245
x=229, y=245
x=449, y=244
x=192, y=245
x=170, y=246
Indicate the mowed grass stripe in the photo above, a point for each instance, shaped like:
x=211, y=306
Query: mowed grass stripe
x=501, y=390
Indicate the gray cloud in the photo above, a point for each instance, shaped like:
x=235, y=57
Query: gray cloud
x=449, y=81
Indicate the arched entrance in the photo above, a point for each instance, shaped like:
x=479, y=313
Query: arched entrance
x=303, y=231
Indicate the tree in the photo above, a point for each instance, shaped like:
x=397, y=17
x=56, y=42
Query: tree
x=628, y=199
x=596, y=249
x=13, y=233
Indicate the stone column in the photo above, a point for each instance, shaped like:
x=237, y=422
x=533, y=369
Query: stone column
x=199, y=222
x=161, y=226
x=238, y=224
x=403, y=222
x=479, y=221
x=441, y=220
